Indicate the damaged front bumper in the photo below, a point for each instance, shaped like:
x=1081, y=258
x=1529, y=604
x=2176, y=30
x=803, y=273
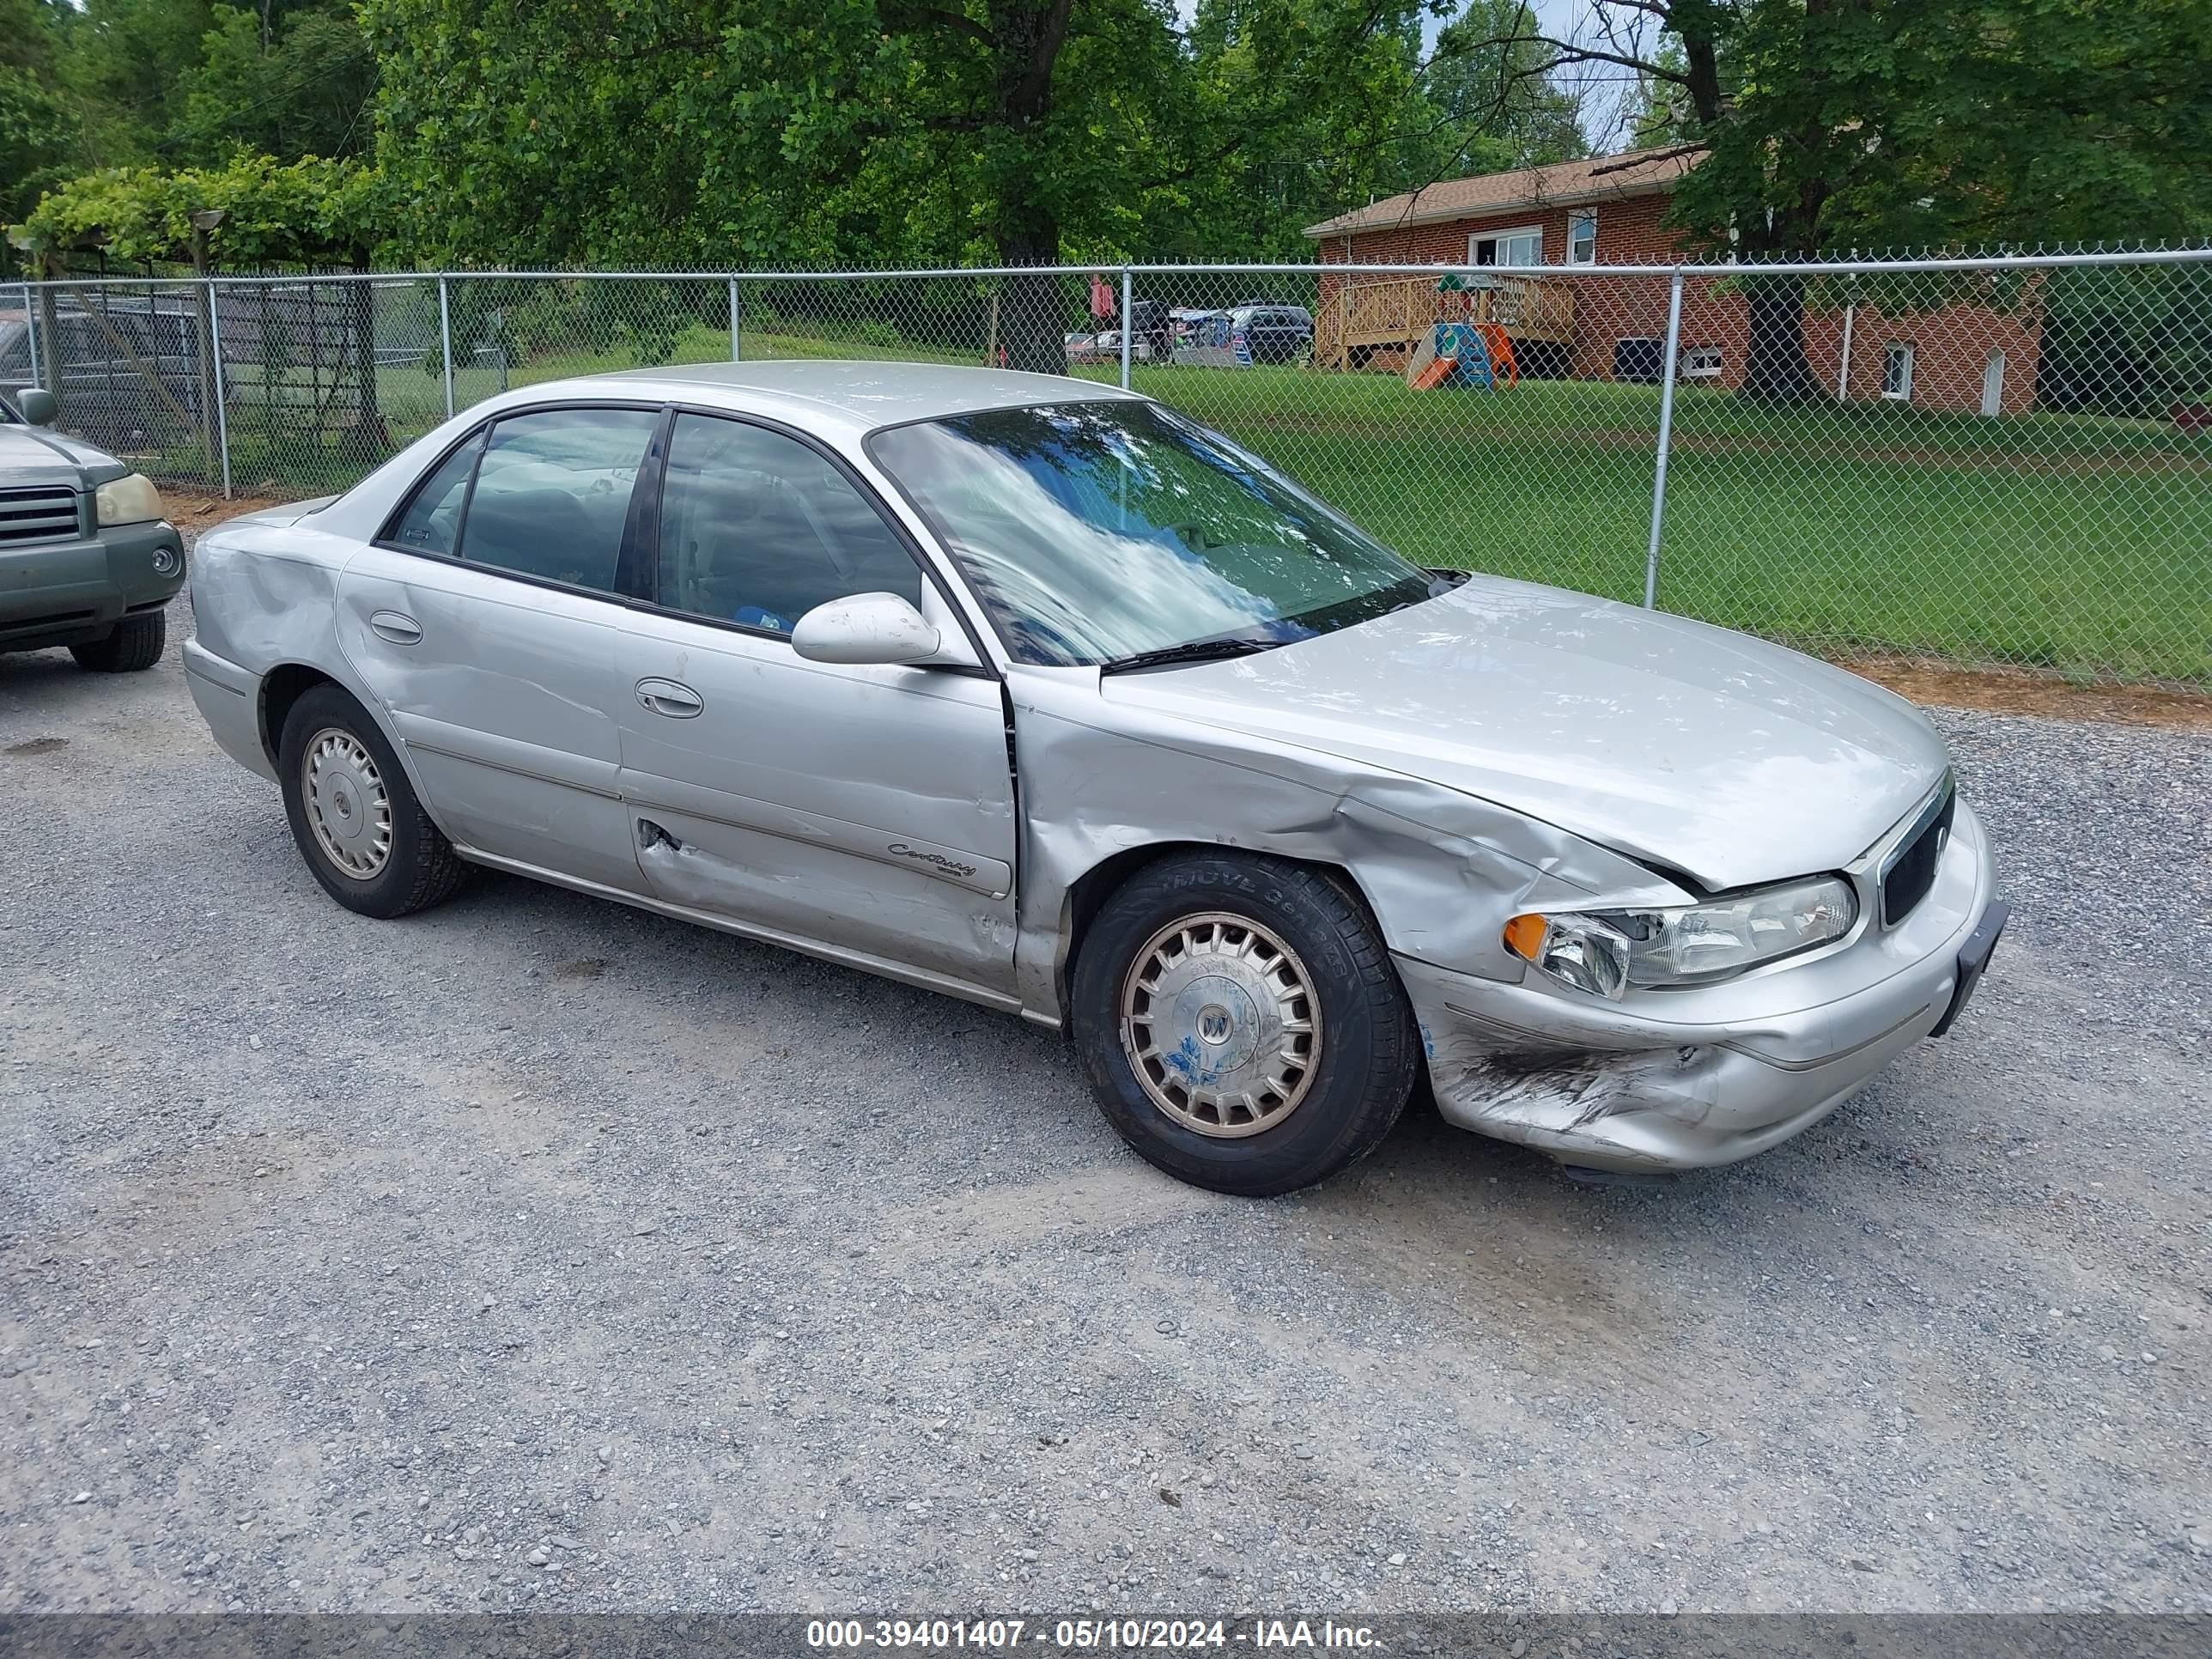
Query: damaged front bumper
x=1690, y=1079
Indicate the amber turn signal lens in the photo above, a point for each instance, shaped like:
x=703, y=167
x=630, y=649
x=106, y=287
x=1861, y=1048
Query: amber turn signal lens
x=1524, y=937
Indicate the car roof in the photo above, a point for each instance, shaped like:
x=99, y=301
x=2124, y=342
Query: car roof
x=860, y=395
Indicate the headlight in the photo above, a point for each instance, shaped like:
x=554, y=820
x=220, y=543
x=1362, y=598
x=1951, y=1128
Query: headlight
x=1606, y=951
x=127, y=500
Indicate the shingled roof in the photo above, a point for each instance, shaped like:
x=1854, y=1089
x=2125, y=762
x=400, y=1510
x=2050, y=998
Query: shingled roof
x=1563, y=184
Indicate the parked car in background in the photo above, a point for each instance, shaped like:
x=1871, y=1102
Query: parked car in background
x=1104, y=347
x=1244, y=336
x=125, y=374
x=87, y=561
x=1030, y=690
x=1273, y=333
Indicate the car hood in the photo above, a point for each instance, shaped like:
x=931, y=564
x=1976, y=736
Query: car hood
x=32, y=454
x=1708, y=752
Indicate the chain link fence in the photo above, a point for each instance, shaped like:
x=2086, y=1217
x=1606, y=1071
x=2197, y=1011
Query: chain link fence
x=2000, y=461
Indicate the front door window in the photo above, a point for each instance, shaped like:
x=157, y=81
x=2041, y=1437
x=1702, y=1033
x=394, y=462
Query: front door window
x=757, y=529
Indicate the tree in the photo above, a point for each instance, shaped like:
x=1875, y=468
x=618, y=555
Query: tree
x=776, y=131
x=118, y=65
x=1494, y=91
x=290, y=84
x=1310, y=106
x=38, y=130
x=1822, y=126
x=186, y=83
x=916, y=131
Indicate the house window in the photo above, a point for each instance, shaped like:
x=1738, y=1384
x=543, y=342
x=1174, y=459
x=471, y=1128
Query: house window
x=1581, y=239
x=1520, y=247
x=1897, y=372
x=1701, y=362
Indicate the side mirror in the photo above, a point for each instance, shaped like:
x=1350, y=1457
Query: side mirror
x=37, y=405
x=867, y=627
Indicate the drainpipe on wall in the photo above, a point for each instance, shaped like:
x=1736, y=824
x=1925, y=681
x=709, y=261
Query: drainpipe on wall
x=1844, y=368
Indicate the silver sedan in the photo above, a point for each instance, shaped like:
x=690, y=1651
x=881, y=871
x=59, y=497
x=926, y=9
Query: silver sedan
x=1034, y=692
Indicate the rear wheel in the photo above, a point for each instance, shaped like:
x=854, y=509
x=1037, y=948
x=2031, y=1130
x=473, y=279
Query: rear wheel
x=1241, y=1024
x=135, y=643
x=354, y=814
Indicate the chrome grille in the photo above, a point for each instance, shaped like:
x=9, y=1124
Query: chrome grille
x=37, y=515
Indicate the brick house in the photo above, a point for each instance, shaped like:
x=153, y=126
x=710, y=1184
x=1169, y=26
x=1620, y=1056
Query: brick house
x=1958, y=357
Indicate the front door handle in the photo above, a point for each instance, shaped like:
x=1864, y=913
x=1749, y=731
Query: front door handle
x=400, y=630
x=678, y=703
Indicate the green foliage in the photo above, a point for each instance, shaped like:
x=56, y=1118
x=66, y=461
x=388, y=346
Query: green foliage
x=1300, y=108
x=39, y=132
x=2126, y=340
x=894, y=132
x=118, y=63
x=305, y=91
x=303, y=210
x=125, y=83
x=1881, y=124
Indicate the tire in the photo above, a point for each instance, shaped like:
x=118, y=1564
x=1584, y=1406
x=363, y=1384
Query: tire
x=1167, y=1001
x=384, y=858
x=135, y=643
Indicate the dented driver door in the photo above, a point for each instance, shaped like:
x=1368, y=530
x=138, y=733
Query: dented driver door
x=869, y=809
x=865, y=810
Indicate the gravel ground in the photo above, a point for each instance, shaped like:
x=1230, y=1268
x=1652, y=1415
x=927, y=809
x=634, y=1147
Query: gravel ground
x=538, y=1251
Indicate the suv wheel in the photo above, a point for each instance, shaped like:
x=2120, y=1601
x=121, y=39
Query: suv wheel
x=354, y=815
x=135, y=643
x=1241, y=1024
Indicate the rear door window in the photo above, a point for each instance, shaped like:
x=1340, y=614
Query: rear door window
x=552, y=494
x=432, y=522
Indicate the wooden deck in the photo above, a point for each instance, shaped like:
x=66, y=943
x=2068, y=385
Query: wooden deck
x=1384, y=319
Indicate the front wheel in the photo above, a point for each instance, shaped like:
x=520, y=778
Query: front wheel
x=135, y=643
x=354, y=813
x=1241, y=1024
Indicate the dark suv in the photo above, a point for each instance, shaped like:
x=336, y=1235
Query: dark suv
x=87, y=561
x=1273, y=333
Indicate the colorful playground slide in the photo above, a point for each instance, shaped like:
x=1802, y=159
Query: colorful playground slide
x=1474, y=355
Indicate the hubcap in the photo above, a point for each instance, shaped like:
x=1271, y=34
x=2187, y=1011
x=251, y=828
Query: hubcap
x=347, y=805
x=1221, y=1024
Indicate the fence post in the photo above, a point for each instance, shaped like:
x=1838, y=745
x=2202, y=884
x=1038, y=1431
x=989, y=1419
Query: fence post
x=1127, y=331
x=737, y=354
x=31, y=333
x=445, y=342
x=1665, y=437
x=222, y=400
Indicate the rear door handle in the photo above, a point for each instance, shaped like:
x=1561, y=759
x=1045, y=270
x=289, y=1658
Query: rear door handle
x=678, y=703
x=391, y=625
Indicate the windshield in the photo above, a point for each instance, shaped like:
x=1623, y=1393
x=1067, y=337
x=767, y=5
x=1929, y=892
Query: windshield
x=1095, y=533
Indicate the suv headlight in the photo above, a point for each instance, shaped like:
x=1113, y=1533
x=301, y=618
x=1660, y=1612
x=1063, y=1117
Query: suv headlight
x=1606, y=951
x=132, y=500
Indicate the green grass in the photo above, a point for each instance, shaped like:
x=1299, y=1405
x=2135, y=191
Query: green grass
x=2064, y=541
x=2074, y=543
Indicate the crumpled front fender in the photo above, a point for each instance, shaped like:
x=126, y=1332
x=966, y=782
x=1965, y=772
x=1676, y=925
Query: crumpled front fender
x=1441, y=870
